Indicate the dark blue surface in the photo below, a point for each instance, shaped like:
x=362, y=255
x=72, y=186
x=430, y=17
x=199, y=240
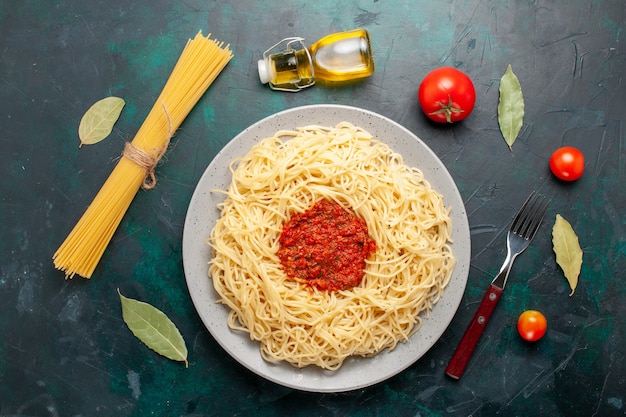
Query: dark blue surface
x=64, y=348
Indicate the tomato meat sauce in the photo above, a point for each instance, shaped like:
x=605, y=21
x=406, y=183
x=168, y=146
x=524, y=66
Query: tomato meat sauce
x=325, y=247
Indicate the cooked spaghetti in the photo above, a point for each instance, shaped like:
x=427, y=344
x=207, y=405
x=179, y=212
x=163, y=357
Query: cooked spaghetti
x=199, y=64
x=288, y=173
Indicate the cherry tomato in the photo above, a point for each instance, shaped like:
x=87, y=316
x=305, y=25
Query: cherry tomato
x=567, y=163
x=532, y=325
x=446, y=95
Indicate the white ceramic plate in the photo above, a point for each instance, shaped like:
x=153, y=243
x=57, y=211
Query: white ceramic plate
x=202, y=214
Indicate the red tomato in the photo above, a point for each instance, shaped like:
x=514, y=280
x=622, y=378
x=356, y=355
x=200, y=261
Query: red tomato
x=532, y=325
x=446, y=95
x=567, y=163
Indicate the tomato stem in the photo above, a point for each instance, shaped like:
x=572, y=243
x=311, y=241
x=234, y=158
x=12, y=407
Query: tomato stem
x=447, y=109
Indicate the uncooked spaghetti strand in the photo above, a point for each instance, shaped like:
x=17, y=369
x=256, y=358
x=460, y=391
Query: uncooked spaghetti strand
x=201, y=60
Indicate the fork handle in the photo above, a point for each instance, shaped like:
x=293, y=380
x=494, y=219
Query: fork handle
x=468, y=343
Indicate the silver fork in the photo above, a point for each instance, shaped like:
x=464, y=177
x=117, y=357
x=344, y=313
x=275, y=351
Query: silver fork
x=521, y=232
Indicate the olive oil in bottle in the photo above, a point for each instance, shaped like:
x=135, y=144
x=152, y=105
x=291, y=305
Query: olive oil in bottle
x=291, y=66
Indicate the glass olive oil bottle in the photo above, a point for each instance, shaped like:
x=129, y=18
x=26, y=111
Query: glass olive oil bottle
x=291, y=66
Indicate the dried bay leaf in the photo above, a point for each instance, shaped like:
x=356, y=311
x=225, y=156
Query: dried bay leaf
x=154, y=328
x=569, y=255
x=97, y=123
x=510, y=107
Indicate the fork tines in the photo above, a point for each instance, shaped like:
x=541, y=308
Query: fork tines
x=530, y=215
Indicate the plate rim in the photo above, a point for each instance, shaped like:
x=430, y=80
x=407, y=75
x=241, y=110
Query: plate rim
x=300, y=378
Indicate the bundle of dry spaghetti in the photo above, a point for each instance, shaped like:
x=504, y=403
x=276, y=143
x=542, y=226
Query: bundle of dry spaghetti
x=200, y=63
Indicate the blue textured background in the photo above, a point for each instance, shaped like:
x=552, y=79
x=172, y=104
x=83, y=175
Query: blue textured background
x=64, y=349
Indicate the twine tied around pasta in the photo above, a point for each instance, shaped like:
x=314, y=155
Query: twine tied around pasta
x=145, y=160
